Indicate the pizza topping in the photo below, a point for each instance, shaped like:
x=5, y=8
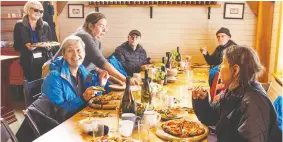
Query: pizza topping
x=183, y=128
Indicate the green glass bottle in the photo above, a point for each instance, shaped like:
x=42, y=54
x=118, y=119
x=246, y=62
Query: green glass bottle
x=128, y=104
x=146, y=90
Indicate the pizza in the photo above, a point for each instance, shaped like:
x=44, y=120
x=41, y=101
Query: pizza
x=183, y=128
x=167, y=114
x=99, y=88
x=46, y=44
x=110, y=139
x=106, y=99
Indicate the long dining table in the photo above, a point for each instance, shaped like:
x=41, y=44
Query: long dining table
x=69, y=130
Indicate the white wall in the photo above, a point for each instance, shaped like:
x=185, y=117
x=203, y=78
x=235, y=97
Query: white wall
x=186, y=27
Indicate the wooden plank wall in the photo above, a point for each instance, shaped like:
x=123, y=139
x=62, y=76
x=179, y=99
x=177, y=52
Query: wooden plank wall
x=170, y=27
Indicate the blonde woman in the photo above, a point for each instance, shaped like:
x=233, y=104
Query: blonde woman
x=32, y=29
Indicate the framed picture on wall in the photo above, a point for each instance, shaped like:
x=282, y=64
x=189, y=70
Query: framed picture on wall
x=75, y=11
x=234, y=10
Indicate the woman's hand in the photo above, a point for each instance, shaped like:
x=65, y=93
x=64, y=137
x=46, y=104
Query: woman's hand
x=89, y=93
x=103, y=77
x=145, y=67
x=28, y=45
x=199, y=92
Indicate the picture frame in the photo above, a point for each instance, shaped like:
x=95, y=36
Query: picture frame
x=234, y=10
x=75, y=10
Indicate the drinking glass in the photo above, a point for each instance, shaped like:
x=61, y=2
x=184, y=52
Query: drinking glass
x=143, y=132
x=98, y=129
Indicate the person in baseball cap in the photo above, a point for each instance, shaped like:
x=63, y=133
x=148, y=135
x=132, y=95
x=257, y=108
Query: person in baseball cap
x=224, y=39
x=135, y=32
x=132, y=55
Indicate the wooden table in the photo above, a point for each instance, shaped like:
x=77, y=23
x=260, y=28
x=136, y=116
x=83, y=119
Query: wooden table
x=69, y=130
x=6, y=109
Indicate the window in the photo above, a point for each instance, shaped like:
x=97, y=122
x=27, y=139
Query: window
x=279, y=49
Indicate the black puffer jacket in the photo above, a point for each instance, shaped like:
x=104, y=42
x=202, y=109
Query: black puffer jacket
x=242, y=115
x=23, y=35
x=46, y=116
x=132, y=60
x=216, y=57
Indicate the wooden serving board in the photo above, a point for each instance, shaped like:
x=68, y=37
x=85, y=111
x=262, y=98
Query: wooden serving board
x=165, y=136
x=45, y=44
x=112, y=105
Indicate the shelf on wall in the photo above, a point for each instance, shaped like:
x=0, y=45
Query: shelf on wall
x=13, y=3
x=6, y=31
x=154, y=5
x=7, y=18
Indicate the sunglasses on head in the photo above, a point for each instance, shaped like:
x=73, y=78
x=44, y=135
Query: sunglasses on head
x=37, y=10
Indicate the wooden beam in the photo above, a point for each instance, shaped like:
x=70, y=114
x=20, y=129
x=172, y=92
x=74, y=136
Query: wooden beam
x=263, y=35
x=253, y=6
x=60, y=6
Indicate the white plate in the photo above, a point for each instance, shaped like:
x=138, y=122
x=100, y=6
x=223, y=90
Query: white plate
x=117, y=87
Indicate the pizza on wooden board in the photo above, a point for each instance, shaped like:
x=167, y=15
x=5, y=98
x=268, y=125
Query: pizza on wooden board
x=183, y=128
x=106, y=99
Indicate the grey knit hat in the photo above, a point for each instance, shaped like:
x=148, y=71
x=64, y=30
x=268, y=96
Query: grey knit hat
x=223, y=30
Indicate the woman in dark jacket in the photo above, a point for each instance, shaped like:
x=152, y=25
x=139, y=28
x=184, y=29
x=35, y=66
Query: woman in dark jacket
x=30, y=30
x=245, y=113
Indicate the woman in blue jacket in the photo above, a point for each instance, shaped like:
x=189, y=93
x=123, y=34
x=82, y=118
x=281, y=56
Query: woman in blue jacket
x=69, y=84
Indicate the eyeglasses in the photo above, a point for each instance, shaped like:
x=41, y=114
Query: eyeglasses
x=104, y=27
x=37, y=10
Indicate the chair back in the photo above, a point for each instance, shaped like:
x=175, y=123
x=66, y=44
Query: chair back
x=6, y=132
x=266, y=86
x=32, y=90
x=213, y=87
x=31, y=123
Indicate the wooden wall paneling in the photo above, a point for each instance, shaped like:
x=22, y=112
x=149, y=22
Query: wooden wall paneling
x=253, y=6
x=263, y=35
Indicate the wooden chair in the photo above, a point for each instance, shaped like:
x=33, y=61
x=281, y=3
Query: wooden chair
x=28, y=93
x=266, y=86
x=31, y=123
x=213, y=87
x=6, y=132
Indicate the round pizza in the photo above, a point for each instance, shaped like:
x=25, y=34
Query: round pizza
x=110, y=139
x=183, y=128
x=106, y=99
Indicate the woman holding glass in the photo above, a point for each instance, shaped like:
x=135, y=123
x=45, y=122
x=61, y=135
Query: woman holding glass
x=245, y=113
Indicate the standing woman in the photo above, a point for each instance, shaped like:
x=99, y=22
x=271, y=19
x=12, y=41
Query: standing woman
x=32, y=29
x=94, y=27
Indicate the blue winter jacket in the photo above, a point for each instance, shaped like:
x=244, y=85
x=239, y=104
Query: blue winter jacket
x=58, y=85
x=117, y=65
